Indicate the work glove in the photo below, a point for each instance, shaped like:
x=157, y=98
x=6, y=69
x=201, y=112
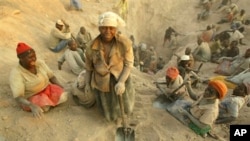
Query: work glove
x=120, y=88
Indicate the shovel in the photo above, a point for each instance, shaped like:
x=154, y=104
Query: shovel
x=124, y=133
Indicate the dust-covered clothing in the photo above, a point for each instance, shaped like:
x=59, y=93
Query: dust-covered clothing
x=83, y=39
x=144, y=56
x=152, y=66
x=215, y=47
x=230, y=106
x=233, y=51
x=239, y=18
x=56, y=36
x=191, y=61
x=49, y=96
x=207, y=35
x=236, y=65
x=160, y=64
x=82, y=98
x=74, y=60
x=216, y=51
x=236, y=35
x=175, y=84
x=238, y=79
x=136, y=54
x=24, y=83
x=168, y=33
x=205, y=11
x=108, y=101
x=206, y=113
x=36, y=88
x=202, y=52
x=106, y=73
x=241, y=62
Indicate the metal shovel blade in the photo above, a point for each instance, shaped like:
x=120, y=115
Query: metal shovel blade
x=125, y=134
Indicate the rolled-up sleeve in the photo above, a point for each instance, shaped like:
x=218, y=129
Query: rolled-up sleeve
x=129, y=55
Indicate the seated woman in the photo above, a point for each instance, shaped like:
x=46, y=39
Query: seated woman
x=203, y=112
x=233, y=65
x=33, y=83
x=231, y=105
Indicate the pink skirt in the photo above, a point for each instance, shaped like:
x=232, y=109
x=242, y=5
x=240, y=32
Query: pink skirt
x=48, y=97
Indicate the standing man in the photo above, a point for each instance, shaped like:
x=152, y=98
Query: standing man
x=59, y=36
x=109, y=60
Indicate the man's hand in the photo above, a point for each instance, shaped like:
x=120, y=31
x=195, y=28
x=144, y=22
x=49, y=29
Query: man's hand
x=120, y=88
x=36, y=110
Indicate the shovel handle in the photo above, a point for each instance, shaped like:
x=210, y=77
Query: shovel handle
x=122, y=110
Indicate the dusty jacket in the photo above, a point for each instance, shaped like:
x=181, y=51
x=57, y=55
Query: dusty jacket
x=56, y=36
x=121, y=55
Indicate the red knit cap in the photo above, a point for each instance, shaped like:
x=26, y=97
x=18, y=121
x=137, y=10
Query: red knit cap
x=172, y=72
x=220, y=87
x=22, y=47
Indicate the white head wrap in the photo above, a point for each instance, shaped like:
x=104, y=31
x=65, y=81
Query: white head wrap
x=59, y=22
x=185, y=57
x=110, y=19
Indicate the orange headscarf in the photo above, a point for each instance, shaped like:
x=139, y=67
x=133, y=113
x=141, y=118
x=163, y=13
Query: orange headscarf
x=172, y=72
x=220, y=87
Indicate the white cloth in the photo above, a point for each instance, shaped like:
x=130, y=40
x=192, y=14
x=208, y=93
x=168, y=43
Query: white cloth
x=236, y=35
x=111, y=19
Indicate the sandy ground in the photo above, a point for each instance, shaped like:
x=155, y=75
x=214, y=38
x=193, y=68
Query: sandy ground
x=31, y=21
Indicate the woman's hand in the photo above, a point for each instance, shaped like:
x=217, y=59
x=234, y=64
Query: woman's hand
x=120, y=88
x=36, y=110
